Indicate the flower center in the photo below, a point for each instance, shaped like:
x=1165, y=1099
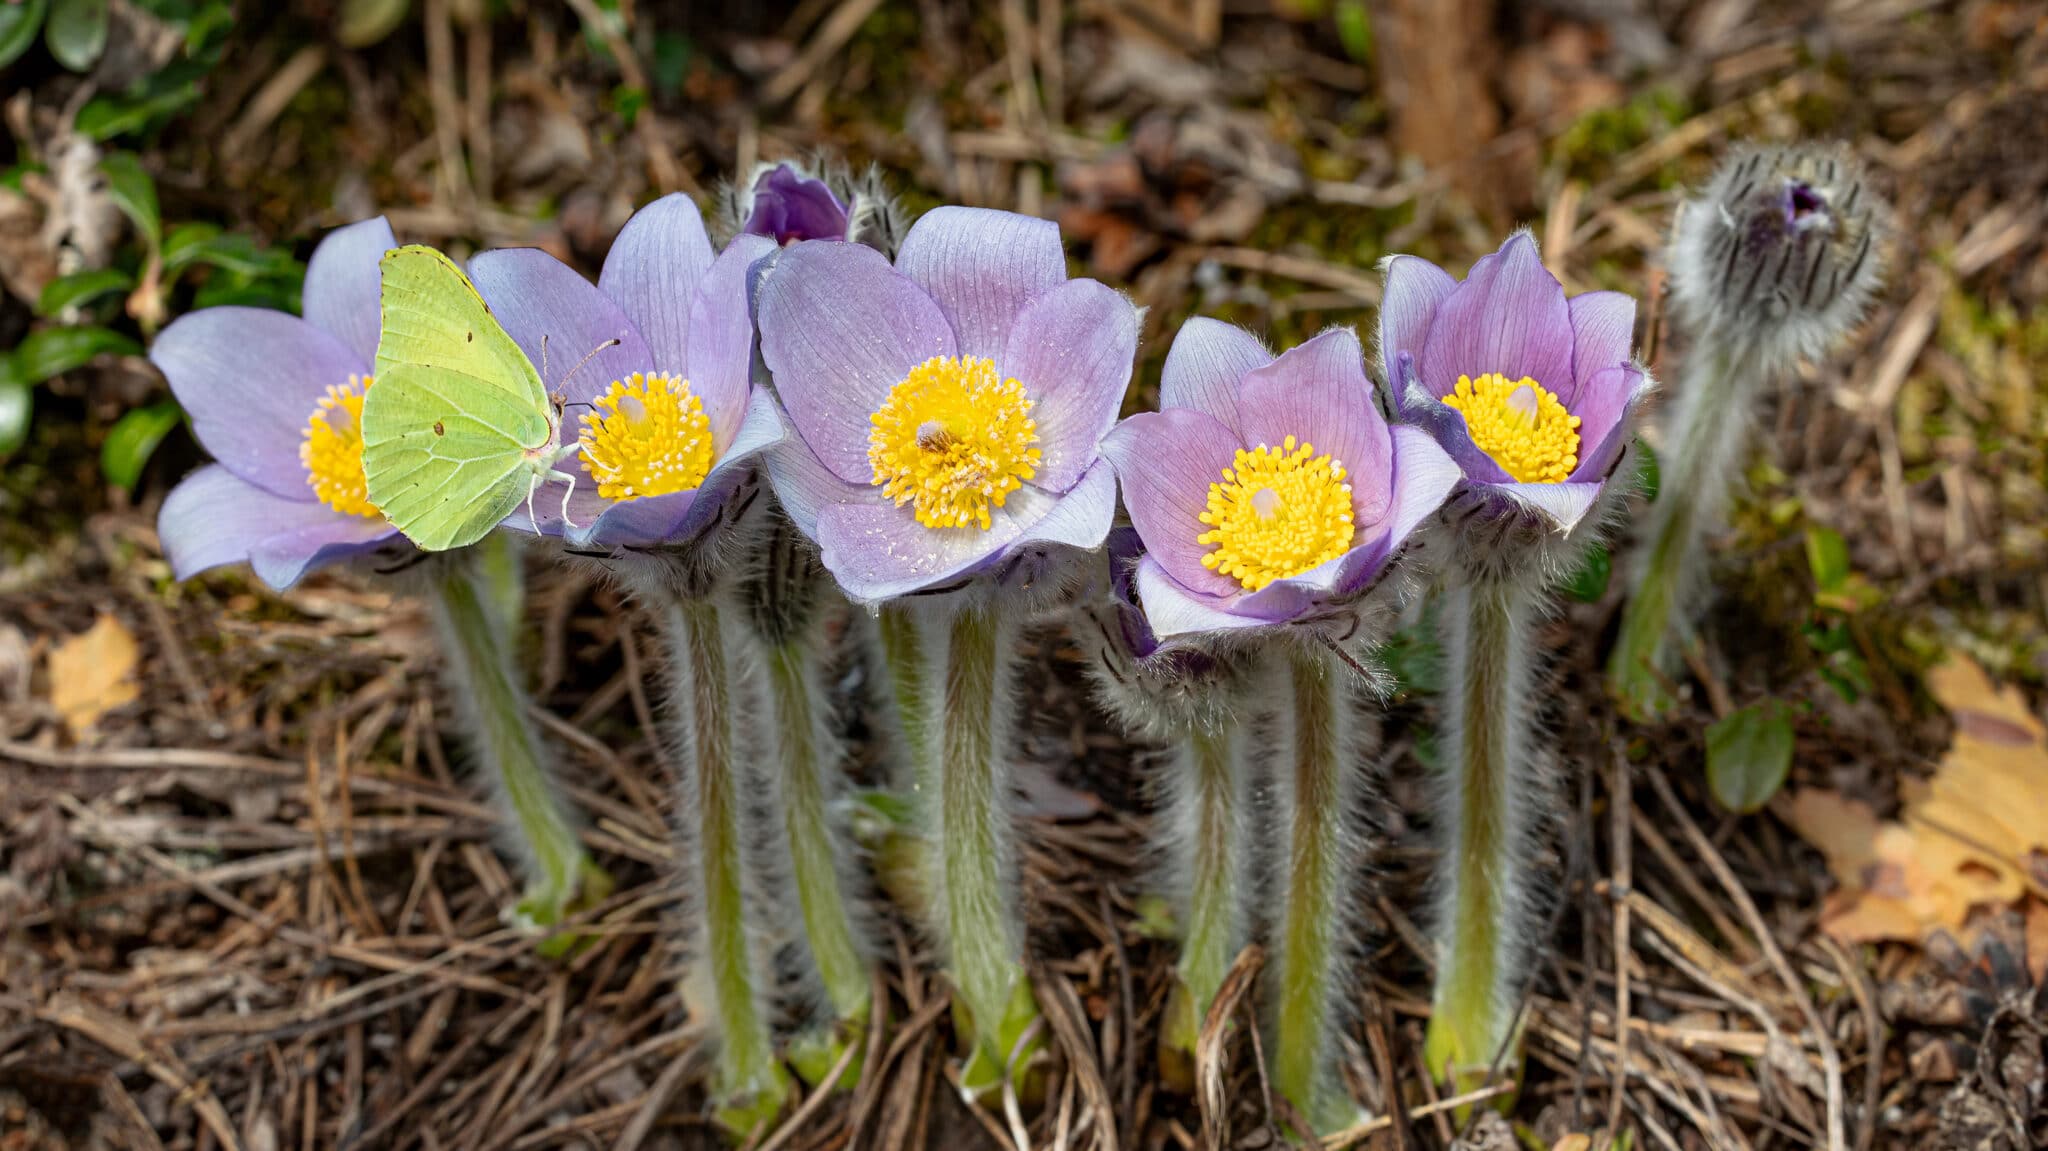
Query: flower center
x=1523, y=427
x=331, y=449
x=953, y=439
x=1276, y=514
x=647, y=435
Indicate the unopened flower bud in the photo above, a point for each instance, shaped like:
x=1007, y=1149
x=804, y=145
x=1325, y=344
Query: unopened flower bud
x=1783, y=247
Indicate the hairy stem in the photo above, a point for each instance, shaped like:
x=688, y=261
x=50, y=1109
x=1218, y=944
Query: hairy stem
x=1492, y=785
x=1315, y=799
x=704, y=708
x=805, y=769
x=904, y=663
x=1205, y=810
x=969, y=838
x=1703, y=446
x=474, y=615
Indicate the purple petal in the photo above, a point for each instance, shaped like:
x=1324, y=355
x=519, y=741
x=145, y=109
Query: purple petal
x=1072, y=350
x=343, y=282
x=982, y=266
x=250, y=379
x=652, y=274
x=1564, y=505
x=1509, y=316
x=1205, y=365
x=1604, y=406
x=878, y=551
x=1319, y=394
x=1172, y=609
x=790, y=206
x=1415, y=290
x=721, y=362
x=804, y=486
x=839, y=329
x=283, y=558
x=1166, y=462
x=1424, y=476
x=214, y=517
x=1603, y=330
x=558, y=318
x=1078, y=518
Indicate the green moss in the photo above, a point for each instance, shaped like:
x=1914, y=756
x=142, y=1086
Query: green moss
x=1590, y=146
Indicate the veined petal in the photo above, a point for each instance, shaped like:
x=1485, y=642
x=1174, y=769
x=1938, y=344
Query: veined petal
x=652, y=274
x=1166, y=462
x=282, y=559
x=1174, y=610
x=1319, y=394
x=1415, y=290
x=1603, y=331
x=1072, y=348
x=344, y=282
x=721, y=363
x=790, y=206
x=1606, y=401
x=214, y=517
x=839, y=329
x=1563, y=505
x=1509, y=316
x=250, y=378
x=1424, y=477
x=1205, y=366
x=982, y=266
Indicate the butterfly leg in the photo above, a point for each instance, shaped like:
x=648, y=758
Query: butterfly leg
x=533, y=482
x=570, y=478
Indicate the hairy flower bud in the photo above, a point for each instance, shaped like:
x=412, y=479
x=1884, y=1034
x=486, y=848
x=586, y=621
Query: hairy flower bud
x=819, y=199
x=1783, y=247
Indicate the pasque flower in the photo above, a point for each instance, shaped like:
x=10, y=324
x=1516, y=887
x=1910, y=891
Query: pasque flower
x=787, y=205
x=948, y=411
x=278, y=400
x=791, y=202
x=1267, y=489
x=1529, y=391
x=657, y=358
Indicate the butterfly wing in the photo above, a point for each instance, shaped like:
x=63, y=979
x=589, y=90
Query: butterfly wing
x=455, y=408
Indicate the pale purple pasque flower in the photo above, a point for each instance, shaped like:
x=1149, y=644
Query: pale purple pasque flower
x=278, y=400
x=1268, y=489
x=948, y=411
x=657, y=355
x=1530, y=392
x=788, y=206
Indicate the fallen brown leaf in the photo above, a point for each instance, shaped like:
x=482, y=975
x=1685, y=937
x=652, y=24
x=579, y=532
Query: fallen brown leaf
x=1973, y=835
x=92, y=673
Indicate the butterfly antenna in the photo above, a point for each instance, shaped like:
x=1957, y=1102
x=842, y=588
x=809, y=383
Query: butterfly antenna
x=611, y=343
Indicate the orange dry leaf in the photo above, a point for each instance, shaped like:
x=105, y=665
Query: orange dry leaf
x=1975, y=835
x=92, y=673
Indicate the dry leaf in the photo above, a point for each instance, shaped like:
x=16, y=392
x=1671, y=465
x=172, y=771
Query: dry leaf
x=1975, y=835
x=93, y=673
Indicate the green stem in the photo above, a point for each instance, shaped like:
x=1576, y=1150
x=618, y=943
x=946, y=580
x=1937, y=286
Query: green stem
x=1702, y=449
x=1320, y=861
x=967, y=822
x=1207, y=815
x=1492, y=787
x=804, y=766
x=749, y=1082
x=903, y=661
x=471, y=613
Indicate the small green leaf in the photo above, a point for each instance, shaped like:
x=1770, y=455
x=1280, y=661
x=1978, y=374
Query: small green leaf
x=1588, y=582
x=18, y=26
x=135, y=194
x=1354, y=30
x=1827, y=553
x=1749, y=755
x=79, y=287
x=53, y=351
x=17, y=404
x=77, y=32
x=105, y=117
x=191, y=244
x=364, y=22
x=133, y=439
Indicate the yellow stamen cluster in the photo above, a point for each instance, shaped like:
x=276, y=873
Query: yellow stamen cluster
x=1522, y=426
x=332, y=449
x=1277, y=513
x=647, y=435
x=954, y=439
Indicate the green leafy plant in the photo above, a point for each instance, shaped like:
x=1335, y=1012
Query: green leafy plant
x=1749, y=754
